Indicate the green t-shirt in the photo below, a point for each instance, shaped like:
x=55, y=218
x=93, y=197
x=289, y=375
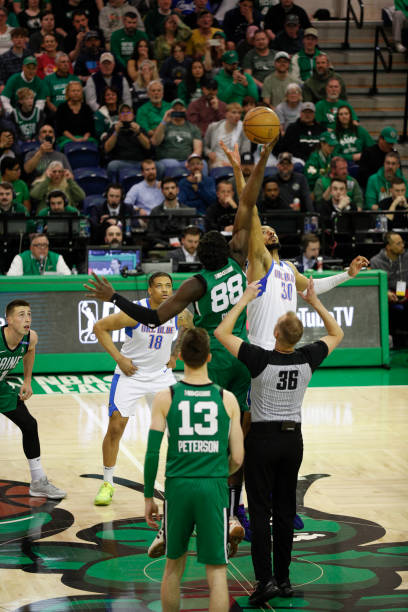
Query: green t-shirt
x=224, y=288
x=122, y=45
x=316, y=165
x=260, y=65
x=68, y=210
x=198, y=430
x=326, y=112
x=8, y=361
x=178, y=141
x=16, y=82
x=228, y=91
x=149, y=116
x=22, y=194
x=55, y=87
x=352, y=141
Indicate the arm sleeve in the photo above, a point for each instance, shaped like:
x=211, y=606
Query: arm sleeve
x=147, y=316
x=152, y=461
x=254, y=357
x=322, y=285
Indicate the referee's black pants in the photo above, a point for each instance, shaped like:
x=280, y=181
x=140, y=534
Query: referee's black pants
x=272, y=462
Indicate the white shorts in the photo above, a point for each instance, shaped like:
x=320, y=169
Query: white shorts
x=125, y=391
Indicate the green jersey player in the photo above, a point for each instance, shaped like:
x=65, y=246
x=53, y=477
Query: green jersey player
x=17, y=342
x=202, y=421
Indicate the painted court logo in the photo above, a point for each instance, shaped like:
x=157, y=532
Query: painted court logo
x=87, y=317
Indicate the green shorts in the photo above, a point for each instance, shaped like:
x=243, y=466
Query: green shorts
x=8, y=397
x=227, y=371
x=199, y=503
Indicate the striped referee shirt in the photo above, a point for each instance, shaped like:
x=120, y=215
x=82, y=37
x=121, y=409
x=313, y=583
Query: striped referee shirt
x=279, y=380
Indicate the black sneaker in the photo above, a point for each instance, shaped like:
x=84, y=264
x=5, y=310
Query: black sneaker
x=263, y=592
x=285, y=589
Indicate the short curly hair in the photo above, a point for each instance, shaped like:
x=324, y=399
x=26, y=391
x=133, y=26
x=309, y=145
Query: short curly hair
x=213, y=250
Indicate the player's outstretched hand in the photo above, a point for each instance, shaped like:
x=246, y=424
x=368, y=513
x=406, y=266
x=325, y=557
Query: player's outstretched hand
x=356, y=265
x=126, y=365
x=151, y=512
x=252, y=291
x=309, y=295
x=267, y=149
x=99, y=288
x=234, y=156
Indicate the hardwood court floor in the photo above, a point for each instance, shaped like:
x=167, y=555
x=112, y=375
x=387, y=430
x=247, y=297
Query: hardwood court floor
x=352, y=495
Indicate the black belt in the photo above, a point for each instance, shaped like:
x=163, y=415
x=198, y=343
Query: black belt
x=269, y=426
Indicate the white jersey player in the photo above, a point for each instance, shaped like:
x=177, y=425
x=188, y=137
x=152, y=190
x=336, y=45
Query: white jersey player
x=143, y=367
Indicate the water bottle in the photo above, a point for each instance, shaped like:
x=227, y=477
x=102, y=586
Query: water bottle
x=84, y=229
x=314, y=224
x=307, y=227
x=128, y=228
x=39, y=226
x=381, y=223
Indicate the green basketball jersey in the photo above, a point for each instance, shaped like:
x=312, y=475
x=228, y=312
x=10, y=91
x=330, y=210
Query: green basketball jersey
x=8, y=358
x=198, y=430
x=224, y=288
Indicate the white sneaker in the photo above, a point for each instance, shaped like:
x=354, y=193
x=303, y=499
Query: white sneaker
x=158, y=547
x=400, y=48
x=235, y=536
x=43, y=488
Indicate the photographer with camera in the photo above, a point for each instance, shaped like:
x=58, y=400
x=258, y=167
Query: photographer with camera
x=176, y=139
x=126, y=143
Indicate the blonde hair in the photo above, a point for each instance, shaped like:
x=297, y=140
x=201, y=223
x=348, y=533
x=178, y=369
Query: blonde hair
x=234, y=106
x=68, y=87
x=25, y=92
x=290, y=329
x=139, y=81
x=62, y=185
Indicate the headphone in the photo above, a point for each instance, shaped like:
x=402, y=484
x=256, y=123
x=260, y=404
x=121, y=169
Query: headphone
x=57, y=193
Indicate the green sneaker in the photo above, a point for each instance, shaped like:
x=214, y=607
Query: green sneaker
x=105, y=495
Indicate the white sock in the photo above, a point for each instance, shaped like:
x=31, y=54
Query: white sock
x=108, y=474
x=36, y=469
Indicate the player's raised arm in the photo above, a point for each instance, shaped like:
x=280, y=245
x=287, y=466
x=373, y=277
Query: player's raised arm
x=322, y=285
x=334, y=331
x=247, y=201
x=191, y=290
x=234, y=159
x=223, y=332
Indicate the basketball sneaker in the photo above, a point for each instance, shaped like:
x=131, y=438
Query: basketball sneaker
x=243, y=519
x=105, y=494
x=43, y=488
x=298, y=523
x=235, y=536
x=158, y=547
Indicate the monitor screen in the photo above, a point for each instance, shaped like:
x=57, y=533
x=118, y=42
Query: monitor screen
x=111, y=261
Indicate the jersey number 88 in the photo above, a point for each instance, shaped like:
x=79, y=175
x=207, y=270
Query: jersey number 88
x=227, y=293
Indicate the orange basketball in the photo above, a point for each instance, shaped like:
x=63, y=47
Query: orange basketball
x=261, y=125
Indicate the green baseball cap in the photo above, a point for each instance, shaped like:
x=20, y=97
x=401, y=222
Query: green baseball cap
x=30, y=59
x=230, y=57
x=329, y=138
x=389, y=134
x=178, y=101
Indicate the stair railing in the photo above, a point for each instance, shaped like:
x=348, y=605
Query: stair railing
x=404, y=135
x=358, y=22
x=378, y=54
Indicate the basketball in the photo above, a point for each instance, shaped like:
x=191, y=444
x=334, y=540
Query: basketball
x=261, y=125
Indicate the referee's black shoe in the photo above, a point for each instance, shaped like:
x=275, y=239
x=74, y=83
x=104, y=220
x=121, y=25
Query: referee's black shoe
x=263, y=592
x=285, y=589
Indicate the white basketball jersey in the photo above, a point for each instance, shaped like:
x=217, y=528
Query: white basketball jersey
x=278, y=297
x=149, y=349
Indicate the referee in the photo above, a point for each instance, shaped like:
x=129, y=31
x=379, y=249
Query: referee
x=274, y=445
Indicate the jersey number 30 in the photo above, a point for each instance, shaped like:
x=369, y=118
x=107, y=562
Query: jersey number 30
x=226, y=294
x=210, y=425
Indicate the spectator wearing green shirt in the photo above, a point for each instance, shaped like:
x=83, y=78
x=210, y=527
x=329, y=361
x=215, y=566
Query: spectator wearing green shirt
x=326, y=110
x=150, y=114
x=318, y=164
x=353, y=139
x=234, y=85
x=8, y=204
x=176, y=139
x=123, y=41
x=56, y=83
x=303, y=62
x=10, y=173
x=57, y=204
x=27, y=78
x=338, y=170
x=379, y=184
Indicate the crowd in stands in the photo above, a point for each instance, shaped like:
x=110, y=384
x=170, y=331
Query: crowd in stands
x=113, y=110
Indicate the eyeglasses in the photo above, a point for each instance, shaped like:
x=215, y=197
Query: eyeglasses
x=40, y=245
